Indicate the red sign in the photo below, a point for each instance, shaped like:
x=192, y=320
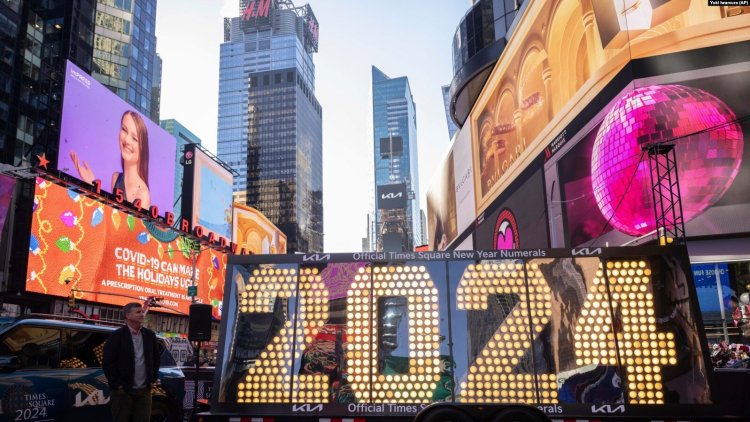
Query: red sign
x=261, y=11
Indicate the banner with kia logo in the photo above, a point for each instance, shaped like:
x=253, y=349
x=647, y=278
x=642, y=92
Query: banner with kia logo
x=391, y=197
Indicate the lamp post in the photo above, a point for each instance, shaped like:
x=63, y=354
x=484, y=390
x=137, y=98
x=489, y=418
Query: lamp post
x=194, y=252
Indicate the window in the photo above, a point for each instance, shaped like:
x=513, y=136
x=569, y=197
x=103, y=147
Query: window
x=53, y=25
x=83, y=349
x=35, y=347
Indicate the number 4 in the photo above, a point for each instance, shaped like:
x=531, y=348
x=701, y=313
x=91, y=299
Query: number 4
x=642, y=350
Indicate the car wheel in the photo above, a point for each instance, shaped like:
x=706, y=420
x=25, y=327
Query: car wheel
x=160, y=412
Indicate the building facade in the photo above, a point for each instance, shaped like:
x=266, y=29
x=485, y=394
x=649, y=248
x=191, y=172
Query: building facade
x=479, y=40
x=125, y=57
x=10, y=37
x=270, y=122
x=38, y=37
x=183, y=136
x=396, y=215
x=563, y=146
x=452, y=128
x=156, y=89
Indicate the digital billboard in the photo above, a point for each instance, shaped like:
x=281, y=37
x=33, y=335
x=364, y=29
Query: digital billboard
x=6, y=194
x=714, y=290
x=255, y=233
x=113, y=257
x=392, y=197
x=559, y=58
x=312, y=30
x=464, y=180
x=373, y=334
x=518, y=218
x=104, y=138
x=207, y=193
x=450, y=198
x=441, y=206
x=604, y=175
x=392, y=146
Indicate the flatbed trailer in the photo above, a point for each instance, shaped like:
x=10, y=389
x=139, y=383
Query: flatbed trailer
x=582, y=334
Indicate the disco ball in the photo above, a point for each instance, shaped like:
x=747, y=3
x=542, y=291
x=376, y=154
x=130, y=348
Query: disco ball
x=708, y=147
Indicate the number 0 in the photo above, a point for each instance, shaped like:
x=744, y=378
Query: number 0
x=415, y=284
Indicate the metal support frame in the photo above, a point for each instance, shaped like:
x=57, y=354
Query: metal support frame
x=665, y=191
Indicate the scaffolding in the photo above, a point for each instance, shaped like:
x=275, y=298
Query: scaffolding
x=665, y=191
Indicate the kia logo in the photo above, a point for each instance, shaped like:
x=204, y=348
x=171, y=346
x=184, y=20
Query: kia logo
x=316, y=257
x=307, y=408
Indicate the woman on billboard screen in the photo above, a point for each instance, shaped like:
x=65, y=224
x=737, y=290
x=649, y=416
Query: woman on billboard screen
x=133, y=180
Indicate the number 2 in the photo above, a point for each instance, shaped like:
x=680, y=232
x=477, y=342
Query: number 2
x=268, y=380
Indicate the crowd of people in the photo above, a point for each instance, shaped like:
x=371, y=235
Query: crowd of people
x=725, y=355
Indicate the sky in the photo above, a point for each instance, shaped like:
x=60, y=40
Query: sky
x=402, y=38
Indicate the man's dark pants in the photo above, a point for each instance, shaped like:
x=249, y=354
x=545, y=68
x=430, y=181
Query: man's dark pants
x=131, y=405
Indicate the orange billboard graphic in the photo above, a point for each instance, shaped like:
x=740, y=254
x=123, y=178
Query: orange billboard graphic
x=77, y=244
x=253, y=232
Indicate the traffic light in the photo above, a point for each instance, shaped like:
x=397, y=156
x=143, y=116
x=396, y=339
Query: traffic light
x=72, y=301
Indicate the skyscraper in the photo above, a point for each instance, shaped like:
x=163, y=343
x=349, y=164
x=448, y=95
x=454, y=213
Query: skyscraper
x=125, y=51
x=156, y=89
x=183, y=137
x=36, y=38
x=10, y=38
x=480, y=38
x=396, y=216
x=270, y=122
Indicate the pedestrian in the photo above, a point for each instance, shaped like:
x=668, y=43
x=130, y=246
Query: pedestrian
x=131, y=365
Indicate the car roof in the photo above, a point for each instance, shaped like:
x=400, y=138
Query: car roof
x=93, y=326
x=82, y=324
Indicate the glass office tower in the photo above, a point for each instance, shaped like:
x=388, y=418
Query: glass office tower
x=397, y=221
x=270, y=122
x=125, y=51
x=37, y=37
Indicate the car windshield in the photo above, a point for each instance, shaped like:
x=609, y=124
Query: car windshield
x=166, y=356
x=6, y=322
